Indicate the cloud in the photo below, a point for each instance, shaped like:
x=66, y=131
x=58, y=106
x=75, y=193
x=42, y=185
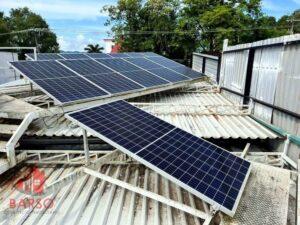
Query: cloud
x=297, y=2
x=60, y=9
x=77, y=43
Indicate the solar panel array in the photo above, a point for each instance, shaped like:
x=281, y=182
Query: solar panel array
x=110, y=76
x=54, y=56
x=204, y=169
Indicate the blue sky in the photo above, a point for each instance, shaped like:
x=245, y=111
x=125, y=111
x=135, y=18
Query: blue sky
x=78, y=23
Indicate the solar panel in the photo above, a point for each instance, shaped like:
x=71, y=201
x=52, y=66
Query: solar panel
x=157, y=69
x=98, y=55
x=144, y=78
x=169, y=75
x=206, y=170
x=119, y=65
x=42, y=69
x=101, y=75
x=57, y=81
x=86, y=67
x=113, y=82
x=188, y=72
x=74, y=56
x=135, y=54
x=150, y=54
x=69, y=89
x=133, y=72
x=118, y=55
x=165, y=62
x=45, y=56
x=144, y=63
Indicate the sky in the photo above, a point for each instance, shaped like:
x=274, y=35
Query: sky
x=78, y=23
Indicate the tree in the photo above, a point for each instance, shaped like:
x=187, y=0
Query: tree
x=3, y=29
x=240, y=21
x=93, y=48
x=31, y=30
x=148, y=26
x=177, y=28
x=290, y=23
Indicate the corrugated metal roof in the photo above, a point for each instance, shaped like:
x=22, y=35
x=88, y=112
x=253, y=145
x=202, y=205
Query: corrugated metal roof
x=88, y=200
x=207, y=115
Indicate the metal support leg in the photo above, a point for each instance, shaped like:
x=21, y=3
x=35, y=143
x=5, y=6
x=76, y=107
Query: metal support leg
x=86, y=147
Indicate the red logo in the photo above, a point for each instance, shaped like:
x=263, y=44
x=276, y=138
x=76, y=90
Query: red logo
x=32, y=184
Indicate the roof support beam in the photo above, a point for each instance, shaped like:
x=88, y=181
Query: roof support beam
x=86, y=147
x=149, y=194
x=58, y=184
x=10, y=146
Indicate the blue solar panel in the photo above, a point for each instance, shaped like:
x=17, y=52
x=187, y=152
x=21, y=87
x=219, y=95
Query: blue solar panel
x=42, y=69
x=150, y=54
x=209, y=172
x=169, y=75
x=69, y=89
x=201, y=165
x=135, y=54
x=144, y=63
x=113, y=82
x=98, y=55
x=86, y=67
x=124, y=124
x=102, y=76
x=119, y=65
x=144, y=78
x=45, y=56
x=188, y=72
x=133, y=72
x=119, y=55
x=165, y=62
x=58, y=81
x=74, y=56
x=158, y=70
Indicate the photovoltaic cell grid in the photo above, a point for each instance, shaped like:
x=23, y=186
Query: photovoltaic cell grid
x=58, y=81
x=86, y=67
x=158, y=70
x=74, y=56
x=118, y=55
x=109, y=75
x=133, y=72
x=177, y=67
x=101, y=76
x=202, y=168
x=98, y=55
x=54, y=56
x=45, y=56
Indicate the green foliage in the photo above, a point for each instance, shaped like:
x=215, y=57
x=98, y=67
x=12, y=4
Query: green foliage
x=290, y=23
x=90, y=48
x=176, y=28
x=22, y=19
x=145, y=26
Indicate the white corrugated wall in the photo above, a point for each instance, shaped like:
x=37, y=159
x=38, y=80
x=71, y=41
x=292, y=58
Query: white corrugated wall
x=211, y=65
x=233, y=70
x=7, y=74
x=266, y=67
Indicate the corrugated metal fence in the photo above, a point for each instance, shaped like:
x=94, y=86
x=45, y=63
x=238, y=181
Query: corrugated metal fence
x=7, y=74
x=268, y=72
x=207, y=64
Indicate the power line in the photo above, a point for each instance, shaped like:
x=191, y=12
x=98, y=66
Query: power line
x=148, y=32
